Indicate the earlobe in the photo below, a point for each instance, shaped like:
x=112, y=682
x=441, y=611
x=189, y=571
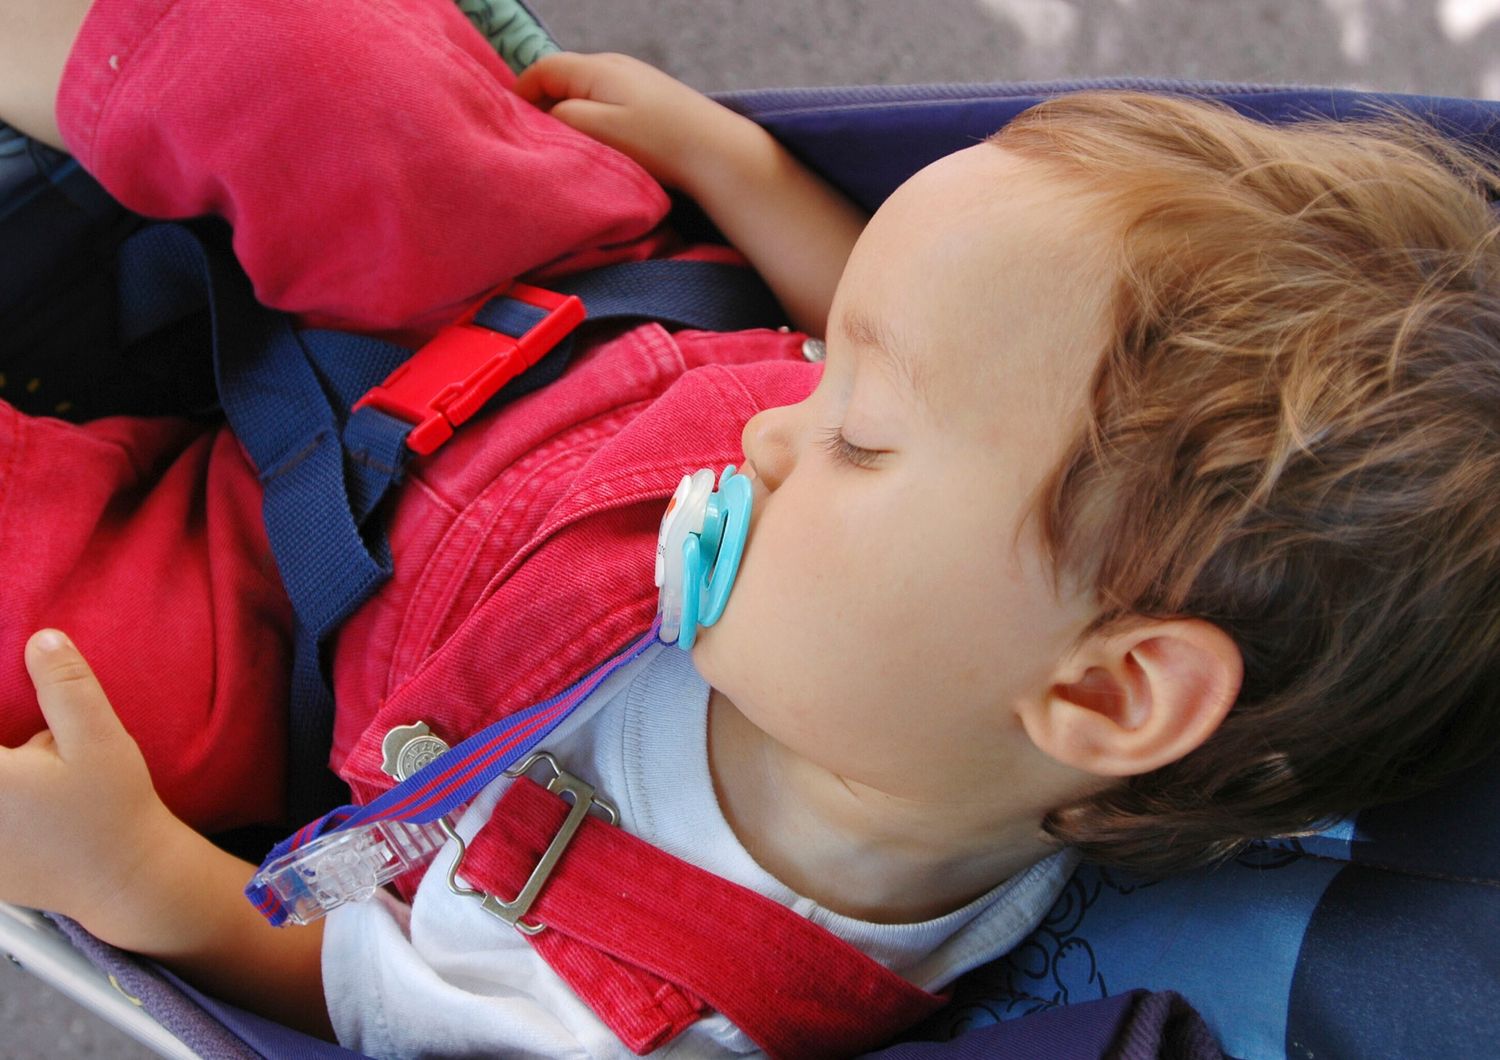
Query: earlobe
x=1135, y=701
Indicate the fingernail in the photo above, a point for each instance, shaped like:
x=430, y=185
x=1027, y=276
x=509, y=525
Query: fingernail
x=51, y=640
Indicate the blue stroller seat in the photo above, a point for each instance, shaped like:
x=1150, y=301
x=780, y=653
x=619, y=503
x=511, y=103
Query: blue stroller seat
x=1380, y=937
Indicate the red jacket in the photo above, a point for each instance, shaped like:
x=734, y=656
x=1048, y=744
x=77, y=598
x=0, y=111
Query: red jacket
x=378, y=173
x=524, y=551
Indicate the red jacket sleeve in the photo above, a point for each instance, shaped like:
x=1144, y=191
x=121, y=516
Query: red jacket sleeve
x=374, y=164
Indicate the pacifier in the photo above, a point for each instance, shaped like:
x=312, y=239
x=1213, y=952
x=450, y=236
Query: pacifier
x=698, y=552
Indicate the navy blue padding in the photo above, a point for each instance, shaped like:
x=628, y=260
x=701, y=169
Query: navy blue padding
x=59, y=234
x=869, y=140
x=1398, y=966
x=43, y=221
x=271, y=1040
x=1077, y=1032
x=1452, y=832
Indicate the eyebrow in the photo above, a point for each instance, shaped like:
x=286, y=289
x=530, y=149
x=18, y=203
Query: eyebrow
x=871, y=333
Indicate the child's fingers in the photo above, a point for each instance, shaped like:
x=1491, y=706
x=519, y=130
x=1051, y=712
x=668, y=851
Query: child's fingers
x=546, y=81
x=40, y=742
x=567, y=75
x=597, y=120
x=76, y=709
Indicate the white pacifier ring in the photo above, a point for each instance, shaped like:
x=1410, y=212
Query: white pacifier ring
x=698, y=552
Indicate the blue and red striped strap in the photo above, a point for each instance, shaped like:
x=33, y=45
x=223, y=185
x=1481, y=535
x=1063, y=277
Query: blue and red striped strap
x=452, y=779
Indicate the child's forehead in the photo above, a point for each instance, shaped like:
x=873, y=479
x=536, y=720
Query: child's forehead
x=988, y=178
x=984, y=223
x=976, y=169
x=980, y=268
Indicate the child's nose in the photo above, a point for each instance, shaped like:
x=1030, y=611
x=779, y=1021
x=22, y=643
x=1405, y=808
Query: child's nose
x=769, y=440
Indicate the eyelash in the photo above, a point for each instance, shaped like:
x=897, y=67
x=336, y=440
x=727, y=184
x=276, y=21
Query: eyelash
x=841, y=450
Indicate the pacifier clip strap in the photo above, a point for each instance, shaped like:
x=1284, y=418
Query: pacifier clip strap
x=438, y=789
x=652, y=942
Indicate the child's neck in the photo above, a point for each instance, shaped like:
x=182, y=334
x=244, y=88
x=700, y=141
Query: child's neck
x=852, y=849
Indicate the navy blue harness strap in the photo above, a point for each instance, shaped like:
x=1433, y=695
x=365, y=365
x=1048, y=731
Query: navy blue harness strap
x=275, y=402
x=287, y=396
x=686, y=294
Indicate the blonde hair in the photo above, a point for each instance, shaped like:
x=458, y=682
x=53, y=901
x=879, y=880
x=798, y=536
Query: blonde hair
x=1295, y=434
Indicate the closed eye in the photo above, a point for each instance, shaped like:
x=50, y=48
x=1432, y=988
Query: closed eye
x=844, y=452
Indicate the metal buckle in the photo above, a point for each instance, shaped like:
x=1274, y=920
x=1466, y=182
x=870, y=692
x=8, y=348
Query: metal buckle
x=560, y=783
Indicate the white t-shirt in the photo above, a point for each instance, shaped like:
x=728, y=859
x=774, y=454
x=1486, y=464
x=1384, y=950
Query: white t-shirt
x=444, y=978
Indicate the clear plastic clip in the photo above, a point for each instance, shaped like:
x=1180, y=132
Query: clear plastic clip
x=348, y=866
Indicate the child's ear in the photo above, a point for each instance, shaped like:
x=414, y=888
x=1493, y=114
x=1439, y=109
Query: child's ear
x=1129, y=703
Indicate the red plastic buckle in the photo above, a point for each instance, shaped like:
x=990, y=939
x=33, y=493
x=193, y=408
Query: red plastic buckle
x=450, y=378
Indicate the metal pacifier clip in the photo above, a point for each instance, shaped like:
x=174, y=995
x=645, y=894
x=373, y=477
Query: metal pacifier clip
x=698, y=552
x=408, y=748
x=349, y=865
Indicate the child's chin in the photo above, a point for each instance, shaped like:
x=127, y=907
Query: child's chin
x=702, y=654
x=708, y=652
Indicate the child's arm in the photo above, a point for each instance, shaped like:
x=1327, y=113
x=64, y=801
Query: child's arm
x=87, y=836
x=796, y=230
x=380, y=175
x=35, y=36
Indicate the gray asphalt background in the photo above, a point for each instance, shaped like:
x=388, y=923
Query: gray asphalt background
x=1440, y=47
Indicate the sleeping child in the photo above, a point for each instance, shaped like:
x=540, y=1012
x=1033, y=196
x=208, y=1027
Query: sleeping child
x=1143, y=506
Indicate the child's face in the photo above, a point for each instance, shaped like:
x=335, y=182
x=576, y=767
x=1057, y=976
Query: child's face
x=887, y=617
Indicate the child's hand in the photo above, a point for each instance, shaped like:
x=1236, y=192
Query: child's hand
x=82, y=832
x=661, y=123
x=78, y=813
x=793, y=227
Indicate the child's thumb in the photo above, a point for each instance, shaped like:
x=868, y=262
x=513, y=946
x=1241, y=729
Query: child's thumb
x=76, y=709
